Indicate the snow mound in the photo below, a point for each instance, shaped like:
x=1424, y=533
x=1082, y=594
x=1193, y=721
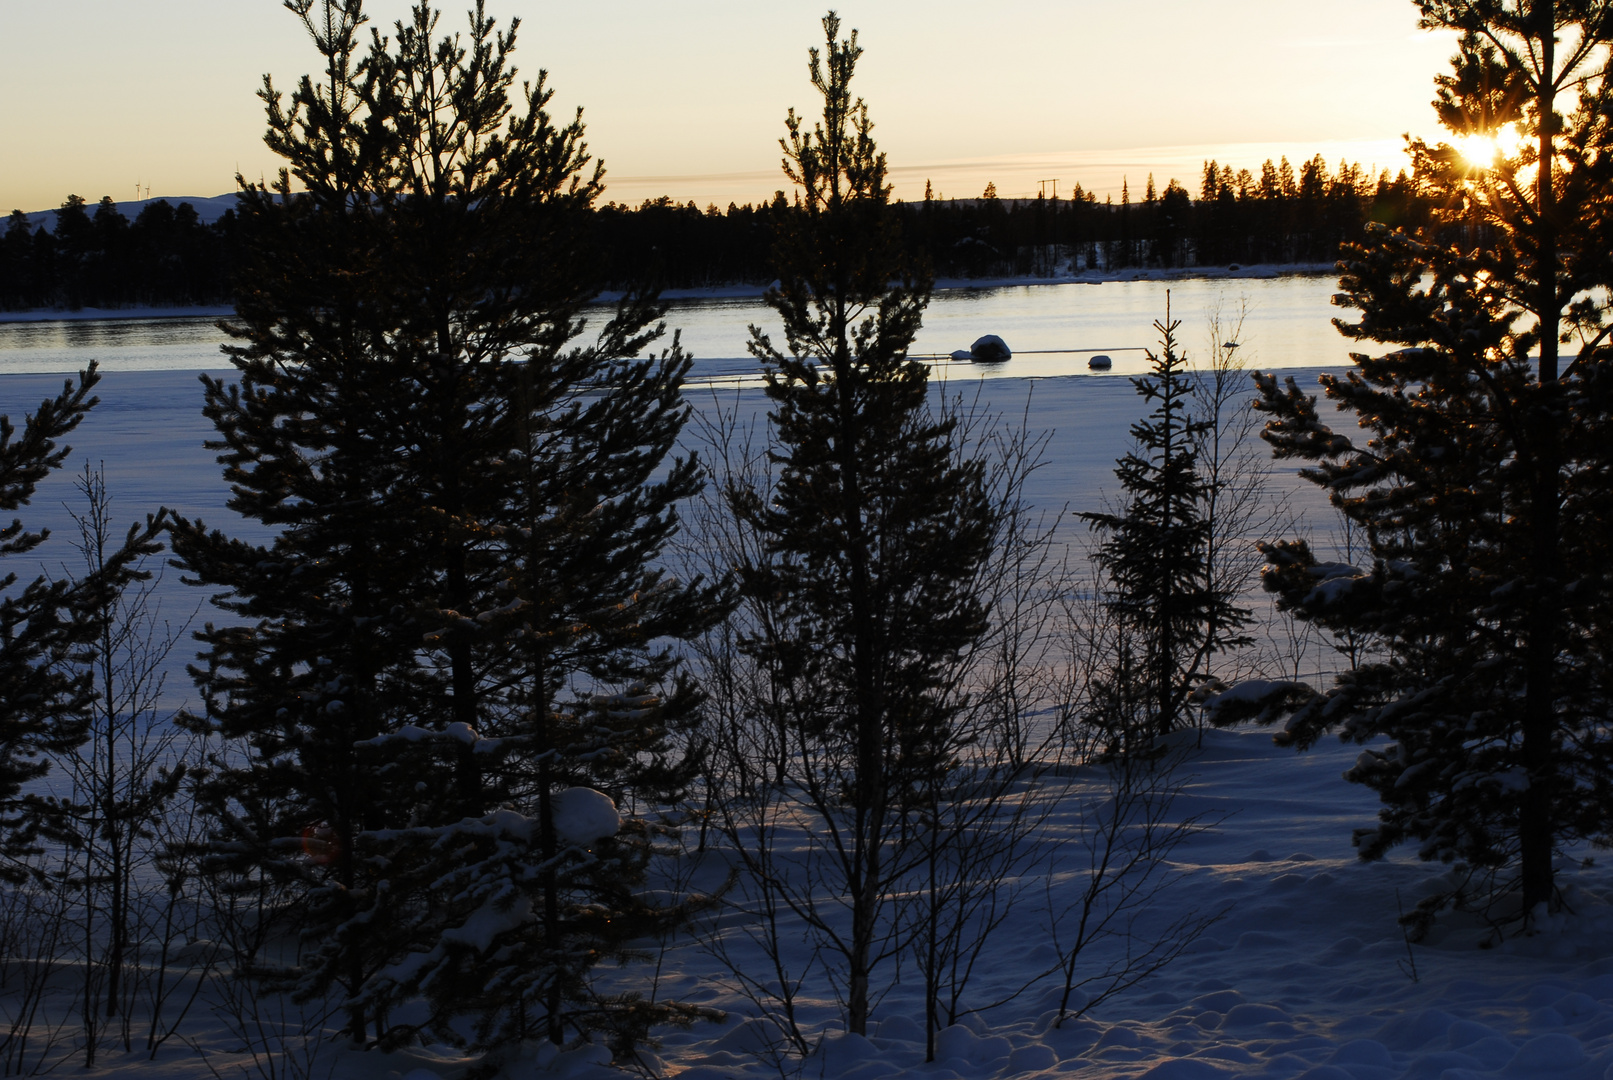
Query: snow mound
x=841, y=1052
x=990, y=349
x=1546, y=1054
x=583, y=815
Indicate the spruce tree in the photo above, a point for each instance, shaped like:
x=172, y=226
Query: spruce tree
x=467, y=503
x=872, y=530
x=1156, y=556
x=1480, y=484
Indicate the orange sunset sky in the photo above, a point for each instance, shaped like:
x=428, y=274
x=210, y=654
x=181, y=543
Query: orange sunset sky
x=688, y=98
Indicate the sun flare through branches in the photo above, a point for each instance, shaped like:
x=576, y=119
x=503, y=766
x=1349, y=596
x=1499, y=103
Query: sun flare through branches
x=1482, y=149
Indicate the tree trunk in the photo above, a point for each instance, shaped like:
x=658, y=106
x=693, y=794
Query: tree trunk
x=870, y=732
x=547, y=846
x=1535, y=825
x=461, y=662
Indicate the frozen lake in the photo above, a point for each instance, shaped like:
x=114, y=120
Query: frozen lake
x=1287, y=325
x=148, y=429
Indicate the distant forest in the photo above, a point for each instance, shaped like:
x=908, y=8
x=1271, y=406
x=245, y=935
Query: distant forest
x=97, y=257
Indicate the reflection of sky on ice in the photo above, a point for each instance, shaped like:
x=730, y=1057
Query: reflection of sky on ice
x=184, y=343
x=1053, y=329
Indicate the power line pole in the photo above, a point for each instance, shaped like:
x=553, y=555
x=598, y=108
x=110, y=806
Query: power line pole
x=1052, y=259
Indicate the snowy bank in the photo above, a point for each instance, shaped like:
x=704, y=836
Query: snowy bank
x=37, y=315
x=740, y=291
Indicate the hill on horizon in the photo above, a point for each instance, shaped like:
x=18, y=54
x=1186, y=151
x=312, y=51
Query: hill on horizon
x=209, y=208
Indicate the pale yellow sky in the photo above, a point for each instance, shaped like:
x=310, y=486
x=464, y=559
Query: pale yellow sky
x=687, y=98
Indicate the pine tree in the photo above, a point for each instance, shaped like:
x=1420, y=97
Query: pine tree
x=47, y=628
x=1480, y=488
x=459, y=601
x=578, y=605
x=872, y=531
x=1156, y=556
x=43, y=703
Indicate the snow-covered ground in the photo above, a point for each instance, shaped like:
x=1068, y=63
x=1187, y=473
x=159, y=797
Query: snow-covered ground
x=148, y=434
x=1305, y=974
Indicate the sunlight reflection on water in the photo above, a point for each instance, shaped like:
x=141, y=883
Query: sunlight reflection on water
x=1286, y=325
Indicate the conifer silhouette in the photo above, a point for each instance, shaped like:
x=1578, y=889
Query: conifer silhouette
x=457, y=616
x=1480, y=484
x=873, y=530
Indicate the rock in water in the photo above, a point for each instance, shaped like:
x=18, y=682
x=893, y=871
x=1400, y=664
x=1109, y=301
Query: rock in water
x=989, y=350
x=1099, y=363
x=962, y=354
x=583, y=815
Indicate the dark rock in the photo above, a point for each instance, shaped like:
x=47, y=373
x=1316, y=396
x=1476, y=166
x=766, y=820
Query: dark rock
x=990, y=349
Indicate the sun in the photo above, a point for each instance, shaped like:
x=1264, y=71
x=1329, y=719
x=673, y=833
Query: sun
x=1481, y=149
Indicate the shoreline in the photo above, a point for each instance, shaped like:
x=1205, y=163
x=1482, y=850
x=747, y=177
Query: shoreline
x=1086, y=277
x=744, y=291
x=47, y=315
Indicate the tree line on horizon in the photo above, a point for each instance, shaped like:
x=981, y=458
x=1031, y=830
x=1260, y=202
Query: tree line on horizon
x=166, y=256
